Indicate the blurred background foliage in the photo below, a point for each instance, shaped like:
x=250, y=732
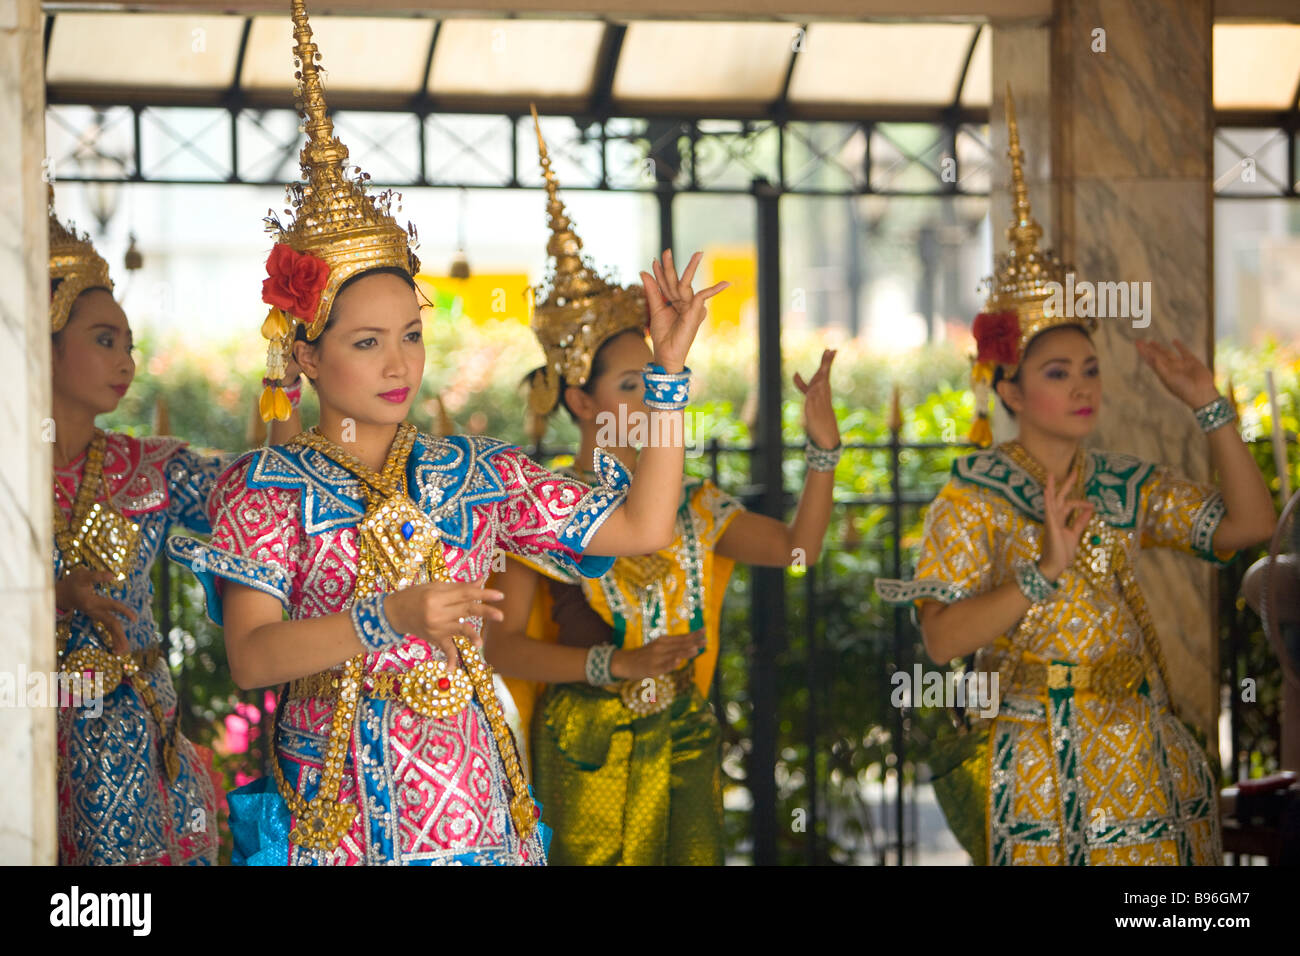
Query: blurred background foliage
x=472, y=385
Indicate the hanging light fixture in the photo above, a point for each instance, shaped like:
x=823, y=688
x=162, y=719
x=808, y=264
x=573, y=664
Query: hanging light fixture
x=134, y=259
x=105, y=172
x=459, y=268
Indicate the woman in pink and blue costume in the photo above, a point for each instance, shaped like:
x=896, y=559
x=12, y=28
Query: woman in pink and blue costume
x=390, y=744
x=132, y=789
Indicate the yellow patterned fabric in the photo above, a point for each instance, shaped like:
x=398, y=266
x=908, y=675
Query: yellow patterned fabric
x=617, y=788
x=1077, y=776
x=623, y=790
x=674, y=591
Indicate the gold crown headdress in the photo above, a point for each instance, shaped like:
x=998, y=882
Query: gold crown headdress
x=576, y=310
x=338, y=229
x=1024, y=279
x=74, y=260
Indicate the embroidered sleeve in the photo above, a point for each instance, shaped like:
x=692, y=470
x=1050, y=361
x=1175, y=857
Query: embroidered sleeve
x=547, y=517
x=716, y=509
x=956, y=552
x=191, y=478
x=1182, y=514
x=255, y=539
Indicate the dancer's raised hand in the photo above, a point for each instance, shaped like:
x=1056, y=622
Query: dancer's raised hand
x=676, y=310
x=1187, y=377
x=818, y=412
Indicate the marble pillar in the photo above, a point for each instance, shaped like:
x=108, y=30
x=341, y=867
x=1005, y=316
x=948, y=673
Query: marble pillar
x=27, y=756
x=1114, y=104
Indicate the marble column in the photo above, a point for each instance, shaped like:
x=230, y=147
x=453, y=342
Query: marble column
x=1114, y=103
x=27, y=757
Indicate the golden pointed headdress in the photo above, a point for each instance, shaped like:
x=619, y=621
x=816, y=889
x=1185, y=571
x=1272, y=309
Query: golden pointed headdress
x=1025, y=278
x=576, y=310
x=338, y=228
x=73, y=259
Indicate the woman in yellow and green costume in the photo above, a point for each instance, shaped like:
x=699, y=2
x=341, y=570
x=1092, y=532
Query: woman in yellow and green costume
x=1027, y=561
x=611, y=675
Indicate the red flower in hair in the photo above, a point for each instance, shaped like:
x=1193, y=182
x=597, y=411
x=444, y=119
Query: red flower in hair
x=997, y=337
x=294, y=281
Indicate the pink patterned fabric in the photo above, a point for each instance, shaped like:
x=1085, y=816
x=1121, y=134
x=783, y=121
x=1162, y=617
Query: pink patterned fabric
x=435, y=790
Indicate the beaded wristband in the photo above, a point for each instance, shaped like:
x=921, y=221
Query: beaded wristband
x=372, y=624
x=822, y=459
x=666, y=391
x=1216, y=414
x=1032, y=583
x=599, y=658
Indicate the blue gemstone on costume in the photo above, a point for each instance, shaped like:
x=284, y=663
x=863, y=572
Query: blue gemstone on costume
x=408, y=529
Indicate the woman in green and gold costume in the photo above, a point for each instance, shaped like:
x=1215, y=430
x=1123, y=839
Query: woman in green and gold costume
x=624, y=745
x=1027, y=561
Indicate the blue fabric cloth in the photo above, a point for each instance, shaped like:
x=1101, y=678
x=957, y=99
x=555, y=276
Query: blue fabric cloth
x=543, y=830
x=259, y=823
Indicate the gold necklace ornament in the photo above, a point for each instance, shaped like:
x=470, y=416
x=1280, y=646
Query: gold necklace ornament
x=96, y=536
x=397, y=544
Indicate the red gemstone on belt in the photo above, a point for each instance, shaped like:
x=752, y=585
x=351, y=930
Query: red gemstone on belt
x=444, y=683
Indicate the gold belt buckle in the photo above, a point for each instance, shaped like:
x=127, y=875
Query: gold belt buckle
x=649, y=695
x=115, y=668
x=1058, y=676
x=429, y=690
x=425, y=688
x=1116, y=676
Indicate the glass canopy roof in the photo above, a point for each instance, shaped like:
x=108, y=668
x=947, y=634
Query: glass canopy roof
x=651, y=65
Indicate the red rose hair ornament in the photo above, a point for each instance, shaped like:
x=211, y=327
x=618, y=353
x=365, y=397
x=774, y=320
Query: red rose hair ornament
x=997, y=337
x=294, y=281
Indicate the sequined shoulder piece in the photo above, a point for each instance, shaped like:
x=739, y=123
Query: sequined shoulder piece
x=992, y=469
x=1112, y=482
x=610, y=472
x=452, y=475
x=1116, y=486
x=713, y=501
x=135, y=469
x=331, y=496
